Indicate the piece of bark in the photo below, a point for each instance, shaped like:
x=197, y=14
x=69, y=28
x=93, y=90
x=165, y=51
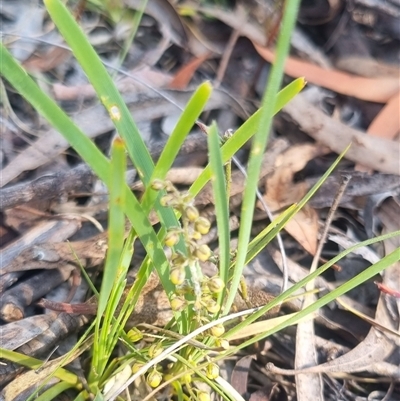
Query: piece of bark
x=48, y=187
x=48, y=231
x=14, y=300
x=89, y=253
x=383, y=155
x=53, y=230
x=38, y=347
x=361, y=185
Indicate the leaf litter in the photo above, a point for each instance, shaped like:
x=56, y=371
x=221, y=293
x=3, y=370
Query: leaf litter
x=182, y=57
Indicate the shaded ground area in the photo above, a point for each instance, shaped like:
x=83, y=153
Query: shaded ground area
x=349, y=53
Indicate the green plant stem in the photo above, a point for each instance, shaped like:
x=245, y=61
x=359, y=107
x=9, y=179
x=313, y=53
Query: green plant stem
x=260, y=141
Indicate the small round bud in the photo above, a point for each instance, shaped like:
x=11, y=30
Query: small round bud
x=212, y=306
x=158, y=185
x=205, y=291
x=168, y=376
x=177, y=276
x=202, y=225
x=136, y=366
x=178, y=304
x=184, y=288
x=155, y=350
x=195, y=235
x=169, y=187
x=222, y=342
x=178, y=259
x=217, y=330
x=186, y=379
x=203, y=252
x=134, y=335
x=228, y=133
x=168, y=200
x=191, y=213
x=216, y=285
x=197, y=306
x=186, y=198
x=203, y=396
x=171, y=239
x=212, y=371
x=154, y=379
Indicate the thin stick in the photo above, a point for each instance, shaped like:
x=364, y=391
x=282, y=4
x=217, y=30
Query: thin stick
x=345, y=181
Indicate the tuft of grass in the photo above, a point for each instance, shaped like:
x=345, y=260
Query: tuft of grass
x=190, y=359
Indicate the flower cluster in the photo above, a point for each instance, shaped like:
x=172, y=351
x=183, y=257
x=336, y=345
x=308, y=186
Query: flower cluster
x=192, y=288
x=193, y=228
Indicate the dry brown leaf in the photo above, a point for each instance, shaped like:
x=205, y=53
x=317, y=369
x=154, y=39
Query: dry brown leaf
x=185, y=74
x=386, y=124
x=379, y=89
x=46, y=62
x=304, y=229
x=64, y=92
x=366, y=66
x=374, y=353
x=282, y=192
x=377, y=153
x=365, y=357
x=240, y=374
x=280, y=183
x=137, y=81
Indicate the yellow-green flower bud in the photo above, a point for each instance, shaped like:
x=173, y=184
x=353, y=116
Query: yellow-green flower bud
x=212, y=306
x=134, y=335
x=169, y=187
x=178, y=259
x=177, y=276
x=205, y=291
x=178, y=304
x=168, y=200
x=184, y=288
x=202, y=225
x=136, y=366
x=186, y=198
x=197, y=306
x=155, y=349
x=191, y=213
x=158, y=185
x=171, y=238
x=216, y=285
x=212, y=371
x=217, y=330
x=195, y=235
x=203, y=252
x=203, y=396
x=222, y=342
x=154, y=378
x=186, y=379
x=168, y=376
